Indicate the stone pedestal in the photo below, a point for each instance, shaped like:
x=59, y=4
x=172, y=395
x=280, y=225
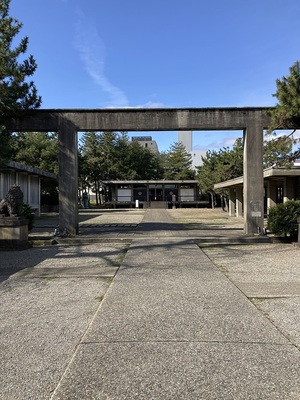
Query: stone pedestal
x=13, y=233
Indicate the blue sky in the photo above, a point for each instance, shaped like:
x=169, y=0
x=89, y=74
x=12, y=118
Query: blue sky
x=161, y=53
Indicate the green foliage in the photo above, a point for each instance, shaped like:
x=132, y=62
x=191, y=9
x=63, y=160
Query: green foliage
x=208, y=173
x=17, y=91
x=28, y=213
x=177, y=163
x=286, y=114
x=37, y=149
x=219, y=166
x=138, y=162
x=110, y=156
x=282, y=218
x=277, y=152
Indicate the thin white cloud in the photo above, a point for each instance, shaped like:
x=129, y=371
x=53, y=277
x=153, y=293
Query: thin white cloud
x=92, y=53
x=152, y=104
x=215, y=140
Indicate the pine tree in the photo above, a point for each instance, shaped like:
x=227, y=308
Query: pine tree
x=178, y=163
x=286, y=113
x=38, y=149
x=17, y=92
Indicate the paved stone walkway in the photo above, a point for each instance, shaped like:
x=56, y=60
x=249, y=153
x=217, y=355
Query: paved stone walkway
x=171, y=325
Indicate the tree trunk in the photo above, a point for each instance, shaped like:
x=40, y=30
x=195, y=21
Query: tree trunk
x=212, y=200
x=97, y=193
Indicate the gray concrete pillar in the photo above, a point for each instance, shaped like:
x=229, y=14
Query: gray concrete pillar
x=231, y=205
x=271, y=193
x=288, y=189
x=239, y=202
x=253, y=180
x=68, y=178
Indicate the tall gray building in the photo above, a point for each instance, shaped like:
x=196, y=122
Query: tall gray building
x=186, y=138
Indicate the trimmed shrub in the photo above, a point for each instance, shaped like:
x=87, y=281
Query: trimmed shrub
x=28, y=213
x=282, y=219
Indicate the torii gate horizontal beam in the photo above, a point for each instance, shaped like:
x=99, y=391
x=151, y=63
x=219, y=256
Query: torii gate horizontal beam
x=135, y=119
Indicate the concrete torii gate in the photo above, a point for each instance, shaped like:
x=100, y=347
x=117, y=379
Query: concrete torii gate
x=68, y=122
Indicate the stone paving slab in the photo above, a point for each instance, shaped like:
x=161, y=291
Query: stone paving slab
x=181, y=302
x=41, y=323
x=181, y=371
x=270, y=270
x=91, y=260
x=78, y=271
x=268, y=289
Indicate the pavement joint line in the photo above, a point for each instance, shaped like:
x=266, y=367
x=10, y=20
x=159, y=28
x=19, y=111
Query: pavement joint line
x=269, y=318
x=189, y=341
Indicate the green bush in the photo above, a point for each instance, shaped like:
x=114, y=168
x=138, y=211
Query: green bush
x=282, y=219
x=28, y=213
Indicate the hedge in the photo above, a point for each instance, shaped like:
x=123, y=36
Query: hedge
x=282, y=219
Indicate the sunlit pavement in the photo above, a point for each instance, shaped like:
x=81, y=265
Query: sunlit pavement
x=174, y=321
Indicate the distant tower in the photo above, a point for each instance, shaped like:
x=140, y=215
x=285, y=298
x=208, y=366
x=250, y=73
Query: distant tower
x=185, y=137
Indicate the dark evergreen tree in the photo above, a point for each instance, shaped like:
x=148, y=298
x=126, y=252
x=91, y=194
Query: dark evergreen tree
x=278, y=152
x=137, y=162
x=89, y=162
x=37, y=149
x=286, y=113
x=177, y=163
x=17, y=92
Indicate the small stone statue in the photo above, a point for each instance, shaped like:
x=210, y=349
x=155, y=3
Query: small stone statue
x=11, y=205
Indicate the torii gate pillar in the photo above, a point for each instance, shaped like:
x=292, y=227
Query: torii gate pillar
x=253, y=180
x=68, y=178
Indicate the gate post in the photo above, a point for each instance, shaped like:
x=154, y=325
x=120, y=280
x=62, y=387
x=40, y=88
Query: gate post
x=253, y=180
x=68, y=178
x=232, y=202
